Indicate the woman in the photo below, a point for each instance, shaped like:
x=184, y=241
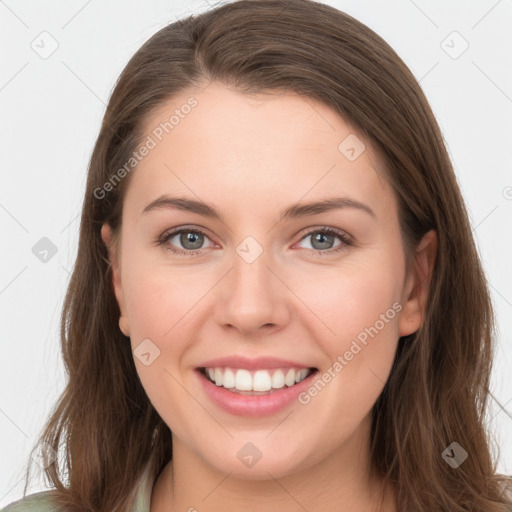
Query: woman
x=277, y=302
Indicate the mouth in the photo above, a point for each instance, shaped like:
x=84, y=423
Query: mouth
x=255, y=382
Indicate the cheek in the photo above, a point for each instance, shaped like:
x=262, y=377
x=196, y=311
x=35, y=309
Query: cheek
x=162, y=303
x=344, y=301
x=359, y=309
x=160, y=298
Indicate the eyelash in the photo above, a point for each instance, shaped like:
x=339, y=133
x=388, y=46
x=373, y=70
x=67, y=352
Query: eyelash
x=343, y=237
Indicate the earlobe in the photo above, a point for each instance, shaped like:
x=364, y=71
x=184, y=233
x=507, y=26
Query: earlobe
x=418, y=285
x=107, y=237
x=124, y=325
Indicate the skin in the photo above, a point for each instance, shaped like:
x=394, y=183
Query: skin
x=251, y=156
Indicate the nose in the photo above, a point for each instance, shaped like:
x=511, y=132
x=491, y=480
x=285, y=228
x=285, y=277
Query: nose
x=252, y=299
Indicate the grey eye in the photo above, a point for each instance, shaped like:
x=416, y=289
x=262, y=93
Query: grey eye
x=191, y=240
x=322, y=240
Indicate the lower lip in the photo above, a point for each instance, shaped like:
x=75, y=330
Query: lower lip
x=253, y=405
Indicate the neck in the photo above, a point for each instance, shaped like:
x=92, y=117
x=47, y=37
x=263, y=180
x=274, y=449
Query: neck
x=343, y=481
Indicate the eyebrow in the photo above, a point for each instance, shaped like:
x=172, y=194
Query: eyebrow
x=294, y=211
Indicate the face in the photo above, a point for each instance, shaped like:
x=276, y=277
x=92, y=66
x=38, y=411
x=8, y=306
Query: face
x=259, y=296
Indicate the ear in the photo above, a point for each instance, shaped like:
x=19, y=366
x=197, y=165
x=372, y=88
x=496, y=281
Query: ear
x=417, y=285
x=107, y=237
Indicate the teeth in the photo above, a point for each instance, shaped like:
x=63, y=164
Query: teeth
x=228, y=380
x=278, y=380
x=260, y=380
x=289, y=380
x=243, y=380
x=218, y=376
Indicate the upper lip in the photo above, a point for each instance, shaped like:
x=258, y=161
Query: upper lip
x=258, y=363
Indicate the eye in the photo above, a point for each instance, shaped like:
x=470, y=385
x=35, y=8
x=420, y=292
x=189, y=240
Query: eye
x=191, y=240
x=322, y=240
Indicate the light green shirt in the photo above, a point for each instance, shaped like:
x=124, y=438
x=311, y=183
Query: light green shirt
x=41, y=502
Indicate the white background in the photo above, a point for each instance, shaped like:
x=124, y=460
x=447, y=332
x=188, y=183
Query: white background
x=51, y=111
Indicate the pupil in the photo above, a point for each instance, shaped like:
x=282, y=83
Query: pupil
x=322, y=237
x=194, y=238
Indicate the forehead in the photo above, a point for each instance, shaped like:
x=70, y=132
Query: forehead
x=278, y=145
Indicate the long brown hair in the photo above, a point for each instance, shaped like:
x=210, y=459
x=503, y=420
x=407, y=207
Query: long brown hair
x=104, y=427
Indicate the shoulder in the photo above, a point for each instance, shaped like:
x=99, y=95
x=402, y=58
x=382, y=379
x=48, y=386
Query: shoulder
x=37, y=502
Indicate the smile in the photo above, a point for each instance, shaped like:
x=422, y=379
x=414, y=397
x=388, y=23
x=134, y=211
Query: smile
x=259, y=381
x=254, y=393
